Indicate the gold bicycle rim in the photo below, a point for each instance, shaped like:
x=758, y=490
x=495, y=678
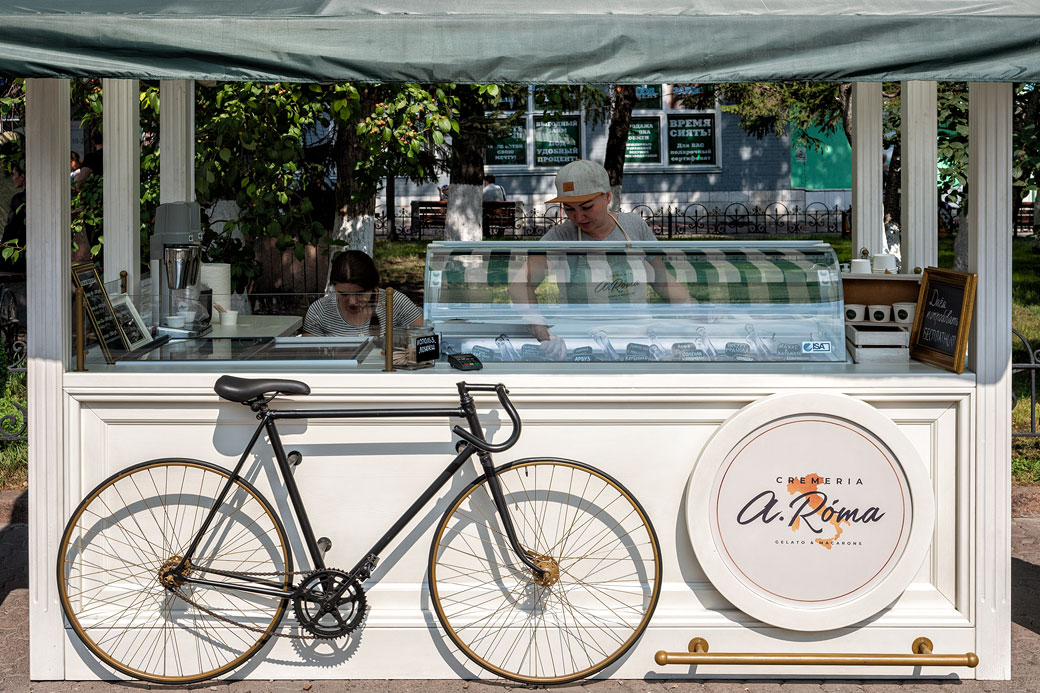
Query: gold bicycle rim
x=89, y=642
x=608, y=660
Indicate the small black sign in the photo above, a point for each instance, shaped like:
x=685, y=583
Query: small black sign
x=943, y=318
x=427, y=348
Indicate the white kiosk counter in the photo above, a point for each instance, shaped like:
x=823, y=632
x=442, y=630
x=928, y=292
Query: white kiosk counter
x=804, y=505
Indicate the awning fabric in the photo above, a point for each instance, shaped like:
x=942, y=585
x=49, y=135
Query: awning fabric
x=568, y=41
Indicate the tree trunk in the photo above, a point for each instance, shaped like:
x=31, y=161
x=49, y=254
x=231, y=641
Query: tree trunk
x=355, y=213
x=845, y=104
x=391, y=201
x=463, y=216
x=617, y=141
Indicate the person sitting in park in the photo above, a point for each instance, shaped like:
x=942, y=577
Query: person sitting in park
x=357, y=306
x=493, y=192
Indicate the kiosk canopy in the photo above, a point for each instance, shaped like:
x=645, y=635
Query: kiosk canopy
x=606, y=41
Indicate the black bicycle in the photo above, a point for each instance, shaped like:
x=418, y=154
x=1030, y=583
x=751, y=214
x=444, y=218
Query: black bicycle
x=175, y=571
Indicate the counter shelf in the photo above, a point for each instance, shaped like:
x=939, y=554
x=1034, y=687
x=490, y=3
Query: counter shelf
x=763, y=301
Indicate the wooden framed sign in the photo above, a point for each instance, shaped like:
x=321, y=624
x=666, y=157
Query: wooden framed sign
x=943, y=318
x=99, y=308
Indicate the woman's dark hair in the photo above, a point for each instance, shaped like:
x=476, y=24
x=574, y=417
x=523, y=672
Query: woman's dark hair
x=354, y=267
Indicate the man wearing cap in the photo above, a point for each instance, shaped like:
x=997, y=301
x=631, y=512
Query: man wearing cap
x=583, y=188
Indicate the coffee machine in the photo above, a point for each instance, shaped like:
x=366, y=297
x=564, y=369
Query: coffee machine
x=176, y=258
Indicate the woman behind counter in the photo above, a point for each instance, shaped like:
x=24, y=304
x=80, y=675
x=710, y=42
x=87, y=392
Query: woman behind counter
x=348, y=312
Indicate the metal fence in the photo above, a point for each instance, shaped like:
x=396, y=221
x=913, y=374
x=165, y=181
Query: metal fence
x=1029, y=368
x=694, y=220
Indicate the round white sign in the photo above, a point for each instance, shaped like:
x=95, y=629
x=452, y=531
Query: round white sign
x=810, y=511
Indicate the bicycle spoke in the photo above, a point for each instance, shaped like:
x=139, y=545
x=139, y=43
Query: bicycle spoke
x=599, y=585
x=130, y=534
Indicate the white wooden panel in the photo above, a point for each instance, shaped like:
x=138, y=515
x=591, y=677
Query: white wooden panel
x=358, y=475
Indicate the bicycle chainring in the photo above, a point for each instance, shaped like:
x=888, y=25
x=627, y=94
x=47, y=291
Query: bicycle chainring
x=329, y=604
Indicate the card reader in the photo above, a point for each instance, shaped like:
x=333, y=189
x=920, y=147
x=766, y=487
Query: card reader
x=465, y=362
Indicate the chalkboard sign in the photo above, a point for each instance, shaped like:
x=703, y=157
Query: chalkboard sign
x=99, y=308
x=943, y=318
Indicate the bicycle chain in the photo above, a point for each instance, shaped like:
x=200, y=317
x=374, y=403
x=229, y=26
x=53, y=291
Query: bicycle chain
x=246, y=626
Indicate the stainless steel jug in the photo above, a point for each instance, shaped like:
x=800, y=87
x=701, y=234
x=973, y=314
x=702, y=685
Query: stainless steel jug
x=183, y=263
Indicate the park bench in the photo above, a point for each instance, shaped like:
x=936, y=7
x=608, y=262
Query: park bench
x=428, y=217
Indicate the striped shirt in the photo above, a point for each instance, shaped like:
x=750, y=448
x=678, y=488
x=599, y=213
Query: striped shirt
x=324, y=319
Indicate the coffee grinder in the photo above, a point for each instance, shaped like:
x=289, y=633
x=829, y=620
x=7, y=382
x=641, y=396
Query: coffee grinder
x=176, y=258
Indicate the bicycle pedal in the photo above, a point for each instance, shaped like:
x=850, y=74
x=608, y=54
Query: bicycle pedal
x=325, y=545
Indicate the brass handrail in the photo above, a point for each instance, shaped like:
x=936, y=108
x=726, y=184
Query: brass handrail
x=81, y=342
x=388, y=340
x=921, y=656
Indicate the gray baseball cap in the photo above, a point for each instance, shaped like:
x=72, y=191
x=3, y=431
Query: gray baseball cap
x=580, y=181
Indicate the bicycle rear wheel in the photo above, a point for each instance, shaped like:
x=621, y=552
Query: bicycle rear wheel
x=126, y=535
x=600, y=552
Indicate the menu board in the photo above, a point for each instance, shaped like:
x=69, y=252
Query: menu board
x=557, y=142
x=509, y=150
x=99, y=308
x=943, y=318
x=691, y=139
x=644, y=141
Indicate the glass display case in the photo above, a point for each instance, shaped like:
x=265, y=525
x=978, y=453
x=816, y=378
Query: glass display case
x=760, y=301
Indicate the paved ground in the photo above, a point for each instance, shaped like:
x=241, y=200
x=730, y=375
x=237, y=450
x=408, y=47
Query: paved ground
x=1025, y=641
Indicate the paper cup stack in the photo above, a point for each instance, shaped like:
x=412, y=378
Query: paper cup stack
x=217, y=276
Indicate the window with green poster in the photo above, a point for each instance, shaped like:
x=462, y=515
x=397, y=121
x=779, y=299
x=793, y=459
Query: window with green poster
x=691, y=139
x=510, y=150
x=644, y=141
x=557, y=141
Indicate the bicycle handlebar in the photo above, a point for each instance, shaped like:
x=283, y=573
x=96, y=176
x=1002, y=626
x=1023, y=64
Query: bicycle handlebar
x=514, y=418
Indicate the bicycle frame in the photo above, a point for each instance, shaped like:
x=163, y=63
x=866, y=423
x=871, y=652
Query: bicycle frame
x=362, y=570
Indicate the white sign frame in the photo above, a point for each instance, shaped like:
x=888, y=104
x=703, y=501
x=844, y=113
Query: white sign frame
x=857, y=414
x=123, y=308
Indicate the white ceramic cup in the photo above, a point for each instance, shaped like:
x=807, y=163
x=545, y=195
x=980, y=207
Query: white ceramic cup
x=855, y=312
x=903, y=312
x=188, y=315
x=884, y=262
x=229, y=317
x=175, y=320
x=860, y=266
x=881, y=312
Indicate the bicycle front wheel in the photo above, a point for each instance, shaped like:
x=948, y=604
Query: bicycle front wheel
x=132, y=611
x=601, y=583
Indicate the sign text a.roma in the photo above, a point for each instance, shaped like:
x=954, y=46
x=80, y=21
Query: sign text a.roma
x=810, y=511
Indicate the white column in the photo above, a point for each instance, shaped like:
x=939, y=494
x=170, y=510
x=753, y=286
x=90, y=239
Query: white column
x=989, y=355
x=122, y=192
x=177, y=140
x=919, y=243
x=48, y=142
x=867, y=212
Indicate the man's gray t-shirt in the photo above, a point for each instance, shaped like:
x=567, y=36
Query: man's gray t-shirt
x=633, y=225
x=600, y=277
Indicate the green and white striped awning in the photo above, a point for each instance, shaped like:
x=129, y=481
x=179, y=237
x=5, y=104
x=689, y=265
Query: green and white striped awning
x=578, y=41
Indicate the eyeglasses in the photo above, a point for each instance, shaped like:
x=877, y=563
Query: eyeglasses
x=362, y=298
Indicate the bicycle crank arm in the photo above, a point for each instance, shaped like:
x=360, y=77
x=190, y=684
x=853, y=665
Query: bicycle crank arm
x=240, y=587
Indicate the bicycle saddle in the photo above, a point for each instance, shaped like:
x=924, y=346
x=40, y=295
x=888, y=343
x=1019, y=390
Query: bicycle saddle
x=244, y=389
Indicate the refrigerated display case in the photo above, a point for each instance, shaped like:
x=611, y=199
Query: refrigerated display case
x=693, y=301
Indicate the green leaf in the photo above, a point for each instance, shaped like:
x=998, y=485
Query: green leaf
x=225, y=154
